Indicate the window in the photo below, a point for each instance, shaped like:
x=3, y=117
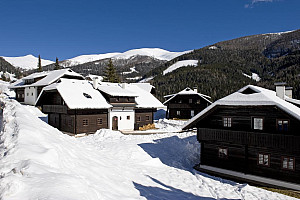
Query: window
x=147, y=117
x=190, y=100
x=223, y=152
x=178, y=112
x=180, y=101
x=128, y=99
x=192, y=113
x=288, y=163
x=258, y=123
x=139, y=118
x=99, y=121
x=87, y=95
x=264, y=159
x=27, y=94
x=282, y=125
x=85, y=122
x=128, y=117
x=118, y=99
x=31, y=93
x=198, y=101
x=23, y=95
x=227, y=121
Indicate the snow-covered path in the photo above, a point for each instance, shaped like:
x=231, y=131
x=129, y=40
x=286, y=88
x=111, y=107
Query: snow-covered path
x=39, y=162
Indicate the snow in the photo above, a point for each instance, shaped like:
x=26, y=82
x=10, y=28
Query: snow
x=212, y=47
x=26, y=62
x=9, y=75
x=157, y=53
x=180, y=64
x=40, y=162
x=78, y=94
x=145, y=80
x=134, y=78
x=132, y=69
x=254, y=76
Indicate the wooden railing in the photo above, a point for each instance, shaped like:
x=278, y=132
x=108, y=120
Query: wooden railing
x=55, y=109
x=182, y=105
x=279, y=141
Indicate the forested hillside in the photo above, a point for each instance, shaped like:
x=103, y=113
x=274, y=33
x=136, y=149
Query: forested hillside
x=274, y=57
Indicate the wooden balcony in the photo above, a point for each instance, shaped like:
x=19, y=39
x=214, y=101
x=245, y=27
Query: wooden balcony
x=55, y=109
x=187, y=106
x=275, y=141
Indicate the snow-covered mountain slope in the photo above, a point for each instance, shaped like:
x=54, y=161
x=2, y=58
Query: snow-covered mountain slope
x=40, y=162
x=26, y=62
x=180, y=64
x=157, y=53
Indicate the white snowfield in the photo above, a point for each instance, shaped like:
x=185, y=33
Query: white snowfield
x=37, y=161
x=157, y=53
x=254, y=76
x=26, y=62
x=180, y=64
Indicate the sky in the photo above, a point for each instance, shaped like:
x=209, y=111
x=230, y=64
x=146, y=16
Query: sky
x=68, y=28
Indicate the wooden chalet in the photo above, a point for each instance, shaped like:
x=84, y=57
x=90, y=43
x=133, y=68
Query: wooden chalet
x=185, y=104
x=28, y=88
x=253, y=135
x=133, y=105
x=74, y=106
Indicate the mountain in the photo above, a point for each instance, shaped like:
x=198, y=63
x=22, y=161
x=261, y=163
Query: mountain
x=7, y=67
x=156, y=53
x=131, y=65
x=273, y=57
x=26, y=62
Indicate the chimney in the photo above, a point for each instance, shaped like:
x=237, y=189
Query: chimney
x=95, y=83
x=195, y=89
x=289, y=92
x=280, y=90
x=123, y=85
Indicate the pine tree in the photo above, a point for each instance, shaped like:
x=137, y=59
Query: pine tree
x=40, y=64
x=56, y=64
x=110, y=74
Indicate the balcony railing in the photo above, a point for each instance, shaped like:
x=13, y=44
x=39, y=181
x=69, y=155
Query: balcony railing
x=55, y=109
x=280, y=141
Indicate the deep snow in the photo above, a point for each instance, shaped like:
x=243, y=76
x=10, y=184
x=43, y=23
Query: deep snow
x=39, y=162
x=26, y=62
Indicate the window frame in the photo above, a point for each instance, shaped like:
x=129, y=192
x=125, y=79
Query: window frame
x=190, y=101
x=147, y=117
x=222, y=156
x=262, y=164
x=252, y=122
x=99, y=121
x=128, y=117
x=287, y=168
x=138, y=118
x=277, y=126
x=85, y=122
x=178, y=111
x=226, y=119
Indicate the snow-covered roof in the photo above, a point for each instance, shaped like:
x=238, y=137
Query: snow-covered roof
x=187, y=91
x=92, y=77
x=116, y=89
x=17, y=84
x=78, y=94
x=144, y=99
x=55, y=75
x=36, y=75
x=146, y=86
x=250, y=96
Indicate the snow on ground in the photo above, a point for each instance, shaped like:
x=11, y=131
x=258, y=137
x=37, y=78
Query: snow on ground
x=39, y=162
x=132, y=69
x=254, y=76
x=146, y=80
x=180, y=64
x=26, y=62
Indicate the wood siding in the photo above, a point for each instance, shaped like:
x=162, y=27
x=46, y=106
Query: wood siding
x=92, y=125
x=143, y=117
x=244, y=143
x=185, y=104
x=20, y=94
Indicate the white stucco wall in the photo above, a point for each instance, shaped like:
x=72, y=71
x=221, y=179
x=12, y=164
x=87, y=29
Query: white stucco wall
x=123, y=122
x=30, y=95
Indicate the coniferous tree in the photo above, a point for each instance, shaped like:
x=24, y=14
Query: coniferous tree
x=56, y=64
x=110, y=74
x=40, y=64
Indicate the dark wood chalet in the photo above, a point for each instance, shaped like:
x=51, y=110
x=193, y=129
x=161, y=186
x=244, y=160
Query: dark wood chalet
x=185, y=104
x=73, y=106
x=252, y=135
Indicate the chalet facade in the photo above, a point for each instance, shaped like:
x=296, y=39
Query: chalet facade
x=74, y=106
x=80, y=106
x=28, y=88
x=185, y=104
x=252, y=134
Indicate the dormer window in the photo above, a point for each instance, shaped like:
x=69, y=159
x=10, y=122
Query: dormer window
x=87, y=95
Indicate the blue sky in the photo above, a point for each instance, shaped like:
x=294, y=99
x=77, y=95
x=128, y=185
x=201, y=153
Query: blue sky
x=68, y=28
